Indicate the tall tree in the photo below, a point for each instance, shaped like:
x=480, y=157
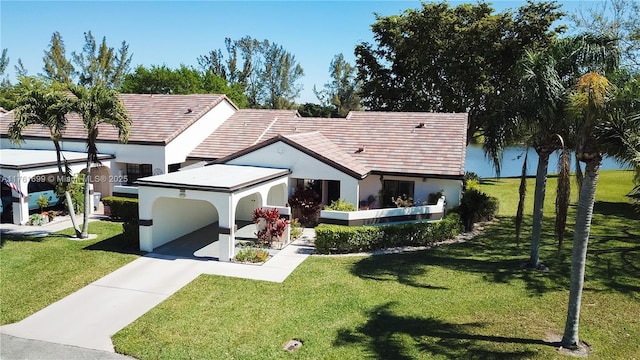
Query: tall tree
x=546, y=77
x=279, y=77
x=342, y=93
x=46, y=105
x=97, y=105
x=462, y=59
x=604, y=126
x=4, y=63
x=101, y=64
x=184, y=80
x=56, y=65
x=619, y=20
x=267, y=73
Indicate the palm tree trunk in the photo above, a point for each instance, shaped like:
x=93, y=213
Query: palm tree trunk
x=538, y=207
x=523, y=194
x=579, y=176
x=580, y=241
x=563, y=195
x=67, y=195
x=87, y=201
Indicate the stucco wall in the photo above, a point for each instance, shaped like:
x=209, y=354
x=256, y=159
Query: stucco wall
x=178, y=149
x=302, y=166
x=173, y=218
x=423, y=187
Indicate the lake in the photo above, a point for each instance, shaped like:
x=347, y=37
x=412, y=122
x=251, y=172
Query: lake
x=512, y=159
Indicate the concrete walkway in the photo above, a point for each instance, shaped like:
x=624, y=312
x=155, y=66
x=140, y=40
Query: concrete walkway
x=89, y=317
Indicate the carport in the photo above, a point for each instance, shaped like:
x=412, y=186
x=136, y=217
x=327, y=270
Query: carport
x=175, y=204
x=21, y=166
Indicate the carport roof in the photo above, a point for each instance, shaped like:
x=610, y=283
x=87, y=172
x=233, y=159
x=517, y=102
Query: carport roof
x=218, y=177
x=20, y=159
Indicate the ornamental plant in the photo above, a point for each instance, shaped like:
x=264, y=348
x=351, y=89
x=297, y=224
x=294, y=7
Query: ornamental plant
x=270, y=226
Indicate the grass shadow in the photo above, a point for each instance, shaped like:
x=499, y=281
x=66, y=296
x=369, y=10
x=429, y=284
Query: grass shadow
x=608, y=208
x=382, y=335
x=119, y=244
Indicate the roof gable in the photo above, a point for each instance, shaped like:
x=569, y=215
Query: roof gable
x=315, y=145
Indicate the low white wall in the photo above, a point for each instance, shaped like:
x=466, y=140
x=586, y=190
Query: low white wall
x=384, y=213
x=173, y=218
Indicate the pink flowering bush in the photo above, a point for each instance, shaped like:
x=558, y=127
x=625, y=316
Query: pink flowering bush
x=270, y=226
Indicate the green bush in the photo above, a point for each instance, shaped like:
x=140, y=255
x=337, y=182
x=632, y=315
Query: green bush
x=340, y=205
x=122, y=208
x=126, y=210
x=296, y=229
x=252, y=255
x=346, y=239
x=476, y=206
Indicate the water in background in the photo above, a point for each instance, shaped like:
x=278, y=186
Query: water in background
x=512, y=159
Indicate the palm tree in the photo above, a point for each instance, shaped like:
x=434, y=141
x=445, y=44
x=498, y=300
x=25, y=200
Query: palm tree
x=604, y=126
x=46, y=105
x=98, y=105
x=546, y=77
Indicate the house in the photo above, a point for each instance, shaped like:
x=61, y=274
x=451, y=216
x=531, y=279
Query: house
x=257, y=157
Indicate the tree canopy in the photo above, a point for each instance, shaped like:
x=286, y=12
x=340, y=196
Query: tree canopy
x=184, y=80
x=452, y=59
x=342, y=93
x=267, y=73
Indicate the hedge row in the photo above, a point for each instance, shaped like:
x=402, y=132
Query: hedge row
x=337, y=239
x=122, y=208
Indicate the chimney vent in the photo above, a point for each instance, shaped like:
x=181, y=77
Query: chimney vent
x=420, y=126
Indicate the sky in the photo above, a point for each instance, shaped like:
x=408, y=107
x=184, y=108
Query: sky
x=172, y=33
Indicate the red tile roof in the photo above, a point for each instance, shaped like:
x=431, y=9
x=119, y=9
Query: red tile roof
x=156, y=118
x=243, y=129
x=391, y=142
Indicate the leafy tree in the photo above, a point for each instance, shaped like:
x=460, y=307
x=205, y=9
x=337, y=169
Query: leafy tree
x=184, y=80
x=462, y=59
x=101, y=64
x=56, y=65
x=604, y=126
x=4, y=63
x=97, y=105
x=44, y=104
x=619, y=20
x=315, y=110
x=266, y=72
x=342, y=93
x=279, y=78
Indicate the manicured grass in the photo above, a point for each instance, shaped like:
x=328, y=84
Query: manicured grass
x=37, y=271
x=463, y=301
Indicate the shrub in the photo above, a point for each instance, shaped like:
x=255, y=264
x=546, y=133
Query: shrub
x=403, y=201
x=434, y=197
x=42, y=202
x=476, y=206
x=76, y=190
x=346, y=239
x=296, y=229
x=252, y=255
x=274, y=226
x=307, y=204
x=126, y=210
x=122, y=208
x=472, y=184
x=340, y=205
x=36, y=220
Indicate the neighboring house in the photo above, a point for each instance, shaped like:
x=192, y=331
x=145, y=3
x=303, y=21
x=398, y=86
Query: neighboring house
x=367, y=158
x=164, y=130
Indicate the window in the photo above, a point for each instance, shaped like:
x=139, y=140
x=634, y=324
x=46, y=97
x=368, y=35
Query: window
x=395, y=188
x=136, y=171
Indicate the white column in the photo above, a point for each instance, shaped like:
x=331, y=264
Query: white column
x=226, y=238
x=21, y=207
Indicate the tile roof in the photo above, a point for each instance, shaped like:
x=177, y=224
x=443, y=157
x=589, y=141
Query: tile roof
x=156, y=118
x=243, y=129
x=314, y=144
x=392, y=142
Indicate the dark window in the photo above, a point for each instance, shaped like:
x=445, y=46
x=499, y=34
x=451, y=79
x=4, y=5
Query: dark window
x=174, y=167
x=333, y=190
x=136, y=171
x=395, y=188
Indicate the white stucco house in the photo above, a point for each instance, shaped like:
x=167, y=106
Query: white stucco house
x=194, y=160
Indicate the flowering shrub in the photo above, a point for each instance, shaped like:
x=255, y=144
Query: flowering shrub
x=270, y=226
x=307, y=203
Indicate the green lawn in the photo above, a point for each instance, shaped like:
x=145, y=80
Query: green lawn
x=463, y=301
x=38, y=271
